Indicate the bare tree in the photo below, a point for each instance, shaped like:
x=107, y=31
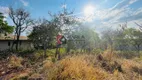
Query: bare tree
x=140, y=26
x=123, y=26
x=21, y=20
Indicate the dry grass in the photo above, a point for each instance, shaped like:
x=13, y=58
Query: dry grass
x=15, y=61
x=76, y=68
x=13, y=68
x=107, y=66
x=81, y=66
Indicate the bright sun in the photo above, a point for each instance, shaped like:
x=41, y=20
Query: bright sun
x=89, y=10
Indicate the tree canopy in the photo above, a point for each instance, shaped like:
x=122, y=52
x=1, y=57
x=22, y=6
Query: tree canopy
x=4, y=27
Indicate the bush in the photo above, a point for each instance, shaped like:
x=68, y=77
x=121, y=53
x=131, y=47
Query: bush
x=97, y=51
x=128, y=54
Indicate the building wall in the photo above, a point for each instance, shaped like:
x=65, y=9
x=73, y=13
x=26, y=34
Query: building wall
x=4, y=45
x=24, y=45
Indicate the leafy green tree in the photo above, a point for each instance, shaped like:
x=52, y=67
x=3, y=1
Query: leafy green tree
x=115, y=38
x=66, y=22
x=120, y=42
x=62, y=22
x=91, y=38
x=135, y=37
x=4, y=27
x=128, y=39
x=43, y=34
x=108, y=38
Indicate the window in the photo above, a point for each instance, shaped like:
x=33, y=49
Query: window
x=9, y=43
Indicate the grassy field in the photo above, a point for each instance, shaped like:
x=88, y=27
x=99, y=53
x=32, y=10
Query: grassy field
x=74, y=66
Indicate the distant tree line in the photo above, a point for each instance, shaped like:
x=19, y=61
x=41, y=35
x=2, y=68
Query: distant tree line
x=123, y=39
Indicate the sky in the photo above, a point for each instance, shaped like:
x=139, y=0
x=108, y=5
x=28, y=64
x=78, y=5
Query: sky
x=107, y=13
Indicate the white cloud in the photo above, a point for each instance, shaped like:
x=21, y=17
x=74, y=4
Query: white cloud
x=132, y=1
x=64, y=6
x=123, y=4
x=136, y=15
x=25, y=3
x=120, y=11
x=5, y=11
x=118, y=14
x=138, y=11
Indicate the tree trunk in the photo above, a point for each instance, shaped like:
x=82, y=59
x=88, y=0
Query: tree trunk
x=57, y=54
x=17, y=42
x=138, y=49
x=44, y=50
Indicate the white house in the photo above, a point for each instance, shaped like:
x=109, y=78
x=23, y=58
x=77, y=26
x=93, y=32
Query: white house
x=6, y=42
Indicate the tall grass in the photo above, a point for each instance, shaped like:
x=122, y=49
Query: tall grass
x=106, y=66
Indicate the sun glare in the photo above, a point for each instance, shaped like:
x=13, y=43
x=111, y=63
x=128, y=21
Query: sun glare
x=89, y=10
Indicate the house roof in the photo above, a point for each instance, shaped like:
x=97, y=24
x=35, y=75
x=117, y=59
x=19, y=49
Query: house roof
x=12, y=37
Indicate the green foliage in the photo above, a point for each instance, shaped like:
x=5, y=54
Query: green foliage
x=65, y=21
x=43, y=34
x=127, y=54
x=49, y=52
x=97, y=51
x=130, y=37
x=122, y=39
x=89, y=39
x=4, y=27
x=135, y=37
